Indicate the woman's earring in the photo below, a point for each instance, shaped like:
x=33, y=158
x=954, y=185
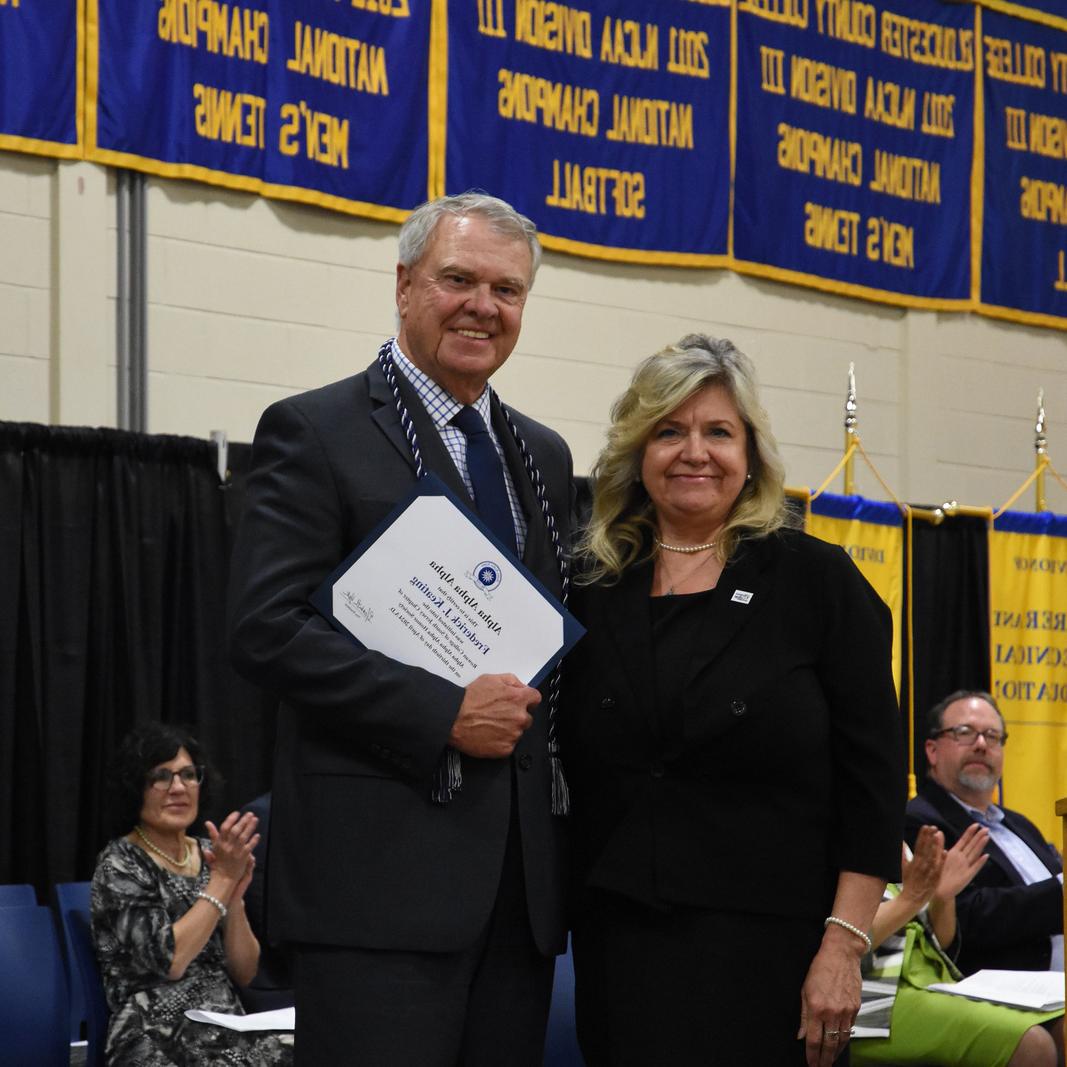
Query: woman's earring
x=748, y=477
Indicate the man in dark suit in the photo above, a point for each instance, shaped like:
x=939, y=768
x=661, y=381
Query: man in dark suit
x=272, y=987
x=426, y=913
x=1011, y=915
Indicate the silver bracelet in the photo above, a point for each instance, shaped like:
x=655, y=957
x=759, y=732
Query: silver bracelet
x=214, y=902
x=865, y=938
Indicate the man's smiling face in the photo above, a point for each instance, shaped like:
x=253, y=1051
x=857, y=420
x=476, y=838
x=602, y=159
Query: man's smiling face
x=461, y=304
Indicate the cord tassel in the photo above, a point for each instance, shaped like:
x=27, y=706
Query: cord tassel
x=447, y=777
x=561, y=795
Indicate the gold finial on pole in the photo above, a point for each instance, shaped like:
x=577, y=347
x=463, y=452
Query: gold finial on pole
x=1040, y=453
x=851, y=431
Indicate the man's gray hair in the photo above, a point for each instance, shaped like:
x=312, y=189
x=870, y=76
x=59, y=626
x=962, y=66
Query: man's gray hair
x=501, y=216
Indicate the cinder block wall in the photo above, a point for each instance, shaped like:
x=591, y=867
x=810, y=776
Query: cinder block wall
x=251, y=300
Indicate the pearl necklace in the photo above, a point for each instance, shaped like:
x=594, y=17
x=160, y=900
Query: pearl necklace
x=183, y=862
x=684, y=548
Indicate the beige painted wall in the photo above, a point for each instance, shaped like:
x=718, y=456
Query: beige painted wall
x=250, y=300
x=25, y=286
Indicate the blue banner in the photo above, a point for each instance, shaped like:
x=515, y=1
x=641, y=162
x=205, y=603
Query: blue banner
x=315, y=101
x=1024, y=231
x=40, y=77
x=606, y=122
x=857, y=509
x=1050, y=12
x=855, y=146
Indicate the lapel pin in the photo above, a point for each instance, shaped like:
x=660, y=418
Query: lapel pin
x=741, y=596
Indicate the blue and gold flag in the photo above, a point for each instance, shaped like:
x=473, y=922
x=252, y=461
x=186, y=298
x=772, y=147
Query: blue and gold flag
x=41, y=77
x=872, y=533
x=1028, y=636
x=606, y=121
x=854, y=147
x=323, y=103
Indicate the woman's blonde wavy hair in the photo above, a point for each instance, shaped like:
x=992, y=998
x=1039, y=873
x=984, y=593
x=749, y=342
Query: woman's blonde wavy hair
x=623, y=516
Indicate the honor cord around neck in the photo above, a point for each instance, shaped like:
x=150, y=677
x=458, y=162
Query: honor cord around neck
x=448, y=777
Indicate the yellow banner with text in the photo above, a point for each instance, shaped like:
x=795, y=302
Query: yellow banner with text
x=1028, y=639
x=872, y=534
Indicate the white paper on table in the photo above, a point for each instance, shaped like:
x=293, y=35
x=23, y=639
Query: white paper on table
x=1036, y=990
x=870, y=1031
x=433, y=588
x=278, y=1019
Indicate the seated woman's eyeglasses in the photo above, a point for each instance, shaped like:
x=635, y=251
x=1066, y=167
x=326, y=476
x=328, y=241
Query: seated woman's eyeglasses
x=967, y=735
x=162, y=779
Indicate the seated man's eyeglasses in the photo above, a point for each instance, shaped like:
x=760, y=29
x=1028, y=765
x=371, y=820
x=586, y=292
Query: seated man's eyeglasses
x=967, y=735
x=162, y=779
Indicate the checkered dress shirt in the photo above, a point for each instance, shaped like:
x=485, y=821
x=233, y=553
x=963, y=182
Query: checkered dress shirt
x=442, y=406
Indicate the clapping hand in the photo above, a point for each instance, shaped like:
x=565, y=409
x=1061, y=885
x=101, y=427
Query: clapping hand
x=230, y=853
x=922, y=872
x=962, y=862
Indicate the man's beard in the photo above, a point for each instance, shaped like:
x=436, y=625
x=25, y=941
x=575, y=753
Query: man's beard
x=977, y=780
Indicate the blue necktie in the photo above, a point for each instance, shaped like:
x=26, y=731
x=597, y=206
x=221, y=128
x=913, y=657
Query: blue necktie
x=487, y=476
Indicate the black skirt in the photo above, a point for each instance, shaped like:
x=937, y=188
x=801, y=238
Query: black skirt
x=689, y=987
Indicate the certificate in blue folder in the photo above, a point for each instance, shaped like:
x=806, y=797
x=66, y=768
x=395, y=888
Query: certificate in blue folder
x=432, y=587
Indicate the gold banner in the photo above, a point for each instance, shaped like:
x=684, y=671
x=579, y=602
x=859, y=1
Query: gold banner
x=878, y=551
x=1028, y=636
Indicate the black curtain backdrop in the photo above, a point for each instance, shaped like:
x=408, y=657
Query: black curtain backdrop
x=114, y=553
x=114, y=557
x=950, y=585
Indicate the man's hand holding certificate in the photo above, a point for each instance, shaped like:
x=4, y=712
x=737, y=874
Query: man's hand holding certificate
x=434, y=589
x=493, y=716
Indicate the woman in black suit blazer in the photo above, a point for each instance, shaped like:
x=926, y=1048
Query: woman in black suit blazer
x=733, y=742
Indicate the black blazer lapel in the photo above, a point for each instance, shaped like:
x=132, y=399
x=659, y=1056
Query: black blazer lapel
x=625, y=622
x=385, y=415
x=435, y=456
x=742, y=593
x=1037, y=844
x=956, y=816
x=538, y=554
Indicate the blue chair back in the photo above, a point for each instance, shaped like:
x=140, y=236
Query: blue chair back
x=561, y=1040
x=88, y=1003
x=34, y=1018
x=17, y=896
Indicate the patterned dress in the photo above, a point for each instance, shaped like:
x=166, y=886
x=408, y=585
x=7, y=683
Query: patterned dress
x=135, y=903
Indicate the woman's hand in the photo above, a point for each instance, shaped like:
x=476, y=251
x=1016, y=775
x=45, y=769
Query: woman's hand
x=229, y=855
x=243, y=884
x=830, y=997
x=963, y=861
x=922, y=873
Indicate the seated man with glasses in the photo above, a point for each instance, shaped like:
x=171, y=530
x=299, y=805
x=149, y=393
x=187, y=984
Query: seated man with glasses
x=1011, y=915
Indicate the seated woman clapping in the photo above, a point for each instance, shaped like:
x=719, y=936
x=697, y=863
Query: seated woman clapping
x=168, y=917
x=915, y=936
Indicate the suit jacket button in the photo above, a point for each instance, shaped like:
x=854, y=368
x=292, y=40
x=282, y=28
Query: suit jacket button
x=656, y=769
x=608, y=702
x=525, y=761
x=738, y=707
